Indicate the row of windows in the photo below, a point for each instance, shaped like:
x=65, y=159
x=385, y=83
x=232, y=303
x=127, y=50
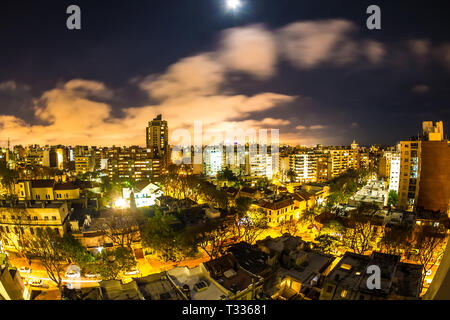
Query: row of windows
x=13, y=217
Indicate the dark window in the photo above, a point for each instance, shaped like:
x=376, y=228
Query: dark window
x=329, y=289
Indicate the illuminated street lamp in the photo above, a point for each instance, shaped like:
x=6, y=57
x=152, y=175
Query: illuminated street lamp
x=120, y=203
x=233, y=4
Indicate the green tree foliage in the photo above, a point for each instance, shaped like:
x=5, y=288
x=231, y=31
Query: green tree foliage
x=75, y=251
x=346, y=185
x=52, y=252
x=291, y=175
x=169, y=244
x=227, y=174
x=326, y=243
x=109, y=264
x=393, y=198
x=243, y=206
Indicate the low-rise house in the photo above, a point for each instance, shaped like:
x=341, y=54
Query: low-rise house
x=348, y=279
x=11, y=283
x=107, y=231
x=145, y=194
x=89, y=293
x=318, y=192
x=302, y=271
x=252, y=259
x=275, y=248
x=278, y=209
x=46, y=190
x=159, y=287
x=29, y=217
x=239, y=283
x=373, y=193
x=197, y=284
x=249, y=193
x=219, y=279
x=117, y=290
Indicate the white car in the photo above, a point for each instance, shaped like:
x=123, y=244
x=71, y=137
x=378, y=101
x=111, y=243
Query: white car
x=24, y=270
x=36, y=283
x=72, y=274
x=92, y=275
x=132, y=272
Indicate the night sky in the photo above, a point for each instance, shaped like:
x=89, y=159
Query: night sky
x=309, y=68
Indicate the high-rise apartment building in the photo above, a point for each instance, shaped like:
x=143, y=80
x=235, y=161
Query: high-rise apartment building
x=394, y=171
x=304, y=165
x=342, y=160
x=133, y=163
x=213, y=160
x=158, y=138
x=261, y=165
x=424, y=171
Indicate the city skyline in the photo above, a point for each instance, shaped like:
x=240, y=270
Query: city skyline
x=313, y=71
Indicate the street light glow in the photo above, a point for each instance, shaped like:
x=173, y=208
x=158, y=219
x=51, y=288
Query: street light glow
x=120, y=203
x=233, y=4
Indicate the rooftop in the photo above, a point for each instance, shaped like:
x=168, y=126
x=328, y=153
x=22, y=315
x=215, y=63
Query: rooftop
x=158, y=287
x=250, y=257
x=116, y=290
x=226, y=271
x=183, y=276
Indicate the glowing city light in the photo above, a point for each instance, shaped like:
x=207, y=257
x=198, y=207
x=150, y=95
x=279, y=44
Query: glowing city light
x=233, y=4
x=120, y=203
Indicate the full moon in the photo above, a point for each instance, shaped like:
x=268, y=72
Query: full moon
x=233, y=4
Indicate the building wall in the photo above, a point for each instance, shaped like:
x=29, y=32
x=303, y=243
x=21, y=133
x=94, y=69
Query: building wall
x=434, y=191
x=340, y=161
x=31, y=220
x=410, y=168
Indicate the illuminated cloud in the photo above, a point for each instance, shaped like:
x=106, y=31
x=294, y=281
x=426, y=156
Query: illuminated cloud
x=9, y=85
x=251, y=49
x=312, y=43
x=197, y=88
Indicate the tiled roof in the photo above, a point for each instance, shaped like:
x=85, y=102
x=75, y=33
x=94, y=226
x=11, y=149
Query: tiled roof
x=42, y=183
x=276, y=205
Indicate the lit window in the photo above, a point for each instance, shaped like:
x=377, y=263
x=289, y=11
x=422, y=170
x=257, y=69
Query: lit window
x=346, y=266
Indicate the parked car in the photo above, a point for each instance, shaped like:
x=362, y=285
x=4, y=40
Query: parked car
x=92, y=275
x=36, y=283
x=132, y=272
x=72, y=274
x=24, y=270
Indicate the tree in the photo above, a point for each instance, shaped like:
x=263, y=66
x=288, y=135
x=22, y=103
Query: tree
x=47, y=247
x=7, y=179
x=169, y=244
x=310, y=214
x=75, y=251
x=122, y=230
x=393, y=198
x=430, y=246
x=227, y=174
x=395, y=240
x=360, y=234
x=251, y=226
x=326, y=243
x=243, y=206
x=291, y=175
x=110, y=263
x=215, y=240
